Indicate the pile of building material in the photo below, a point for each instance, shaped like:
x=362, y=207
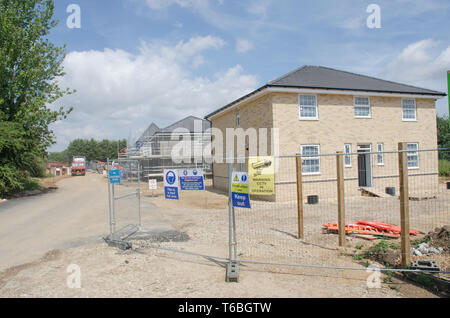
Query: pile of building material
x=370, y=228
x=424, y=249
x=440, y=237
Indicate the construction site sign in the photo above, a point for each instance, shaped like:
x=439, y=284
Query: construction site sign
x=262, y=175
x=239, y=190
x=114, y=176
x=171, y=184
x=152, y=184
x=192, y=180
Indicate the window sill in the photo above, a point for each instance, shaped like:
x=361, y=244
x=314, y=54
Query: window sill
x=410, y=120
x=413, y=168
x=311, y=173
x=363, y=117
x=308, y=119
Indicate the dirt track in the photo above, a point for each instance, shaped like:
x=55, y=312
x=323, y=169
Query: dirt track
x=73, y=215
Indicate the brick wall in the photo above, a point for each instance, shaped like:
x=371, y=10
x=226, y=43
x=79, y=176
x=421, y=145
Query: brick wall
x=335, y=127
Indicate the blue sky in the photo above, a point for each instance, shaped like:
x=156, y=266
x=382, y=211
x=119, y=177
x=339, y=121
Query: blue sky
x=134, y=62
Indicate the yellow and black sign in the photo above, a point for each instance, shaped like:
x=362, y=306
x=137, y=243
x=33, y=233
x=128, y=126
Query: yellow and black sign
x=239, y=188
x=262, y=175
x=239, y=183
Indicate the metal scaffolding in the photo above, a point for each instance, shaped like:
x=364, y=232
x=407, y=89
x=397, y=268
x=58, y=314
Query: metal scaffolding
x=165, y=151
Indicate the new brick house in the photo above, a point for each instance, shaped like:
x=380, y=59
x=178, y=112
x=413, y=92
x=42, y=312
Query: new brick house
x=319, y=110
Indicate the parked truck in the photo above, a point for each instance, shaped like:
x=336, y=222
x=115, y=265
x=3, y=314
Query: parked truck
x=79, y=166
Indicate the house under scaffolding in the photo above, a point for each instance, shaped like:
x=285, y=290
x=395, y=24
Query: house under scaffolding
x=155, y=149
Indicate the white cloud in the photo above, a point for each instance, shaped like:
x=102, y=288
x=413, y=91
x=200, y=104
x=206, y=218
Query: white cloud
x=417, y=7
x=259, y=7
x=424, y=64
x=198, y=44
x=243, y=45
x=421, y=63
x=161, y=4
x=352, y=23
x=212, y=12
x=119, y=93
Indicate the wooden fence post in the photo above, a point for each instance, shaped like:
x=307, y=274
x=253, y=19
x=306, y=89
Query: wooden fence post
x=340, y=193
x=404, y=204
x=301, y=234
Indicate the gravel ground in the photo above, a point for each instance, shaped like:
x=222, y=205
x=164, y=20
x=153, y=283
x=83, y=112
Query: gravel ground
x=108, y=272
x=199, y=223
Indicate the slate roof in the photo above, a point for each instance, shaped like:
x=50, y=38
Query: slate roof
x=187, y=123
x=150, y=131
x=327, y=78
x=319, y=77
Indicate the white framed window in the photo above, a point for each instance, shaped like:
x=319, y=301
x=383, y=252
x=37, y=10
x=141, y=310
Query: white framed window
x=238, y=118
x=308, y=107
x=413, y=155
x=348, y=157
x=310, y=159
x=409, y=112
x=362, y=107
x=380, y=155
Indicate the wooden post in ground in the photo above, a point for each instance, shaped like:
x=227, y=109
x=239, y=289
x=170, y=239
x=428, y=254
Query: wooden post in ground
x=404, y=204
x=301, y=234
x=340, y=193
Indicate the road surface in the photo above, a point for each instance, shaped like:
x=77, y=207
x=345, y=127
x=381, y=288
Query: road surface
x=74, y=215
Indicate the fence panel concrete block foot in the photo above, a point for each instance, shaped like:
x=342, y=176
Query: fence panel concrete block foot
x=123, y=245
x=232, y=275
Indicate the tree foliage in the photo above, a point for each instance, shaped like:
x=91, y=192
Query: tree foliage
x=12, y=157
x=443, y=130
x=30, y=66
x=91, y=149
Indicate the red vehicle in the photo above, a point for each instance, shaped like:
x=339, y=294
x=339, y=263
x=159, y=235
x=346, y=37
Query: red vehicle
x=79, y=166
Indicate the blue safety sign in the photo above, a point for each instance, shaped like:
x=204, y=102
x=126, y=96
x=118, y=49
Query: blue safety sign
x=114, y=176
x=192, y=180
x=240, y=197
x=171, y=185
x=171, y=193
x=241, y=200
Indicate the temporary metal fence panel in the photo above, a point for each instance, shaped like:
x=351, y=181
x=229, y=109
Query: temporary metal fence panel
x=269, y=231
x=125, y=199
x=429, y=198
x=279, y=230
x=377, y=197
x=287, y=227
x=161, y=228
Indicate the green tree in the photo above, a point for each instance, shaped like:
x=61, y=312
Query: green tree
x=92, y=149
x=443, y=136
x=13, y=157
x=59, y=156
x=30, y=66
